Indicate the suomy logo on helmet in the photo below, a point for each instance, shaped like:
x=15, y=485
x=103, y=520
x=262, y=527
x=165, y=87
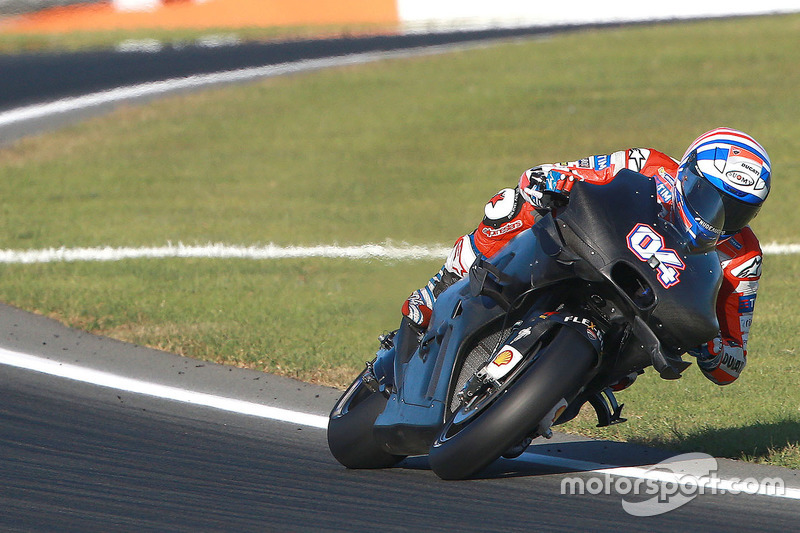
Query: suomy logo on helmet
x=742, y=167
x=739, y=178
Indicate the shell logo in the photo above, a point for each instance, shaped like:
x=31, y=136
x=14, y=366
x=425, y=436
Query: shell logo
x=503, y=358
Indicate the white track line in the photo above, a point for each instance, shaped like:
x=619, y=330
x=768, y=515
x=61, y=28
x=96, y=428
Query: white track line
x=774, y=248
x=404, y=252
x=122, y=383
x=224, y=251
x=113, y=381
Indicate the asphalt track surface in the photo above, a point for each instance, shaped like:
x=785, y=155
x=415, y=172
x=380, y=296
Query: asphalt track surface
x=32, y=78
x=80, y=457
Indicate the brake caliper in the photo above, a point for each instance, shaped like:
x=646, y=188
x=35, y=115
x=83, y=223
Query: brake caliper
x=479, y=383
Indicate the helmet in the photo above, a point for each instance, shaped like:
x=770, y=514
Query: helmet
x=723, y=178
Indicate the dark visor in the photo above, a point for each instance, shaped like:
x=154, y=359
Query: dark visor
x=722, y=212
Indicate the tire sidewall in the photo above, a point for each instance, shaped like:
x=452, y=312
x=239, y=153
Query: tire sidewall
x=350, y=430
x=561, y=369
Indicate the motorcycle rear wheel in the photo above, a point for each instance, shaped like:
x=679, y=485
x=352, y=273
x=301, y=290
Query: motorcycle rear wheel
x=350, y=438
x=470, y=441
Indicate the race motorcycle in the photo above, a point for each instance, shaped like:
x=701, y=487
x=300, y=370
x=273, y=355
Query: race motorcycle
x=599, y=289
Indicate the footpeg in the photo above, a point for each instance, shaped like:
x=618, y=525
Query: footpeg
x=371, y=382
x=368, y=379
x=387, y=340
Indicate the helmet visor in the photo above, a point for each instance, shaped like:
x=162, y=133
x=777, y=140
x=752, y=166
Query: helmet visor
x=713, y=209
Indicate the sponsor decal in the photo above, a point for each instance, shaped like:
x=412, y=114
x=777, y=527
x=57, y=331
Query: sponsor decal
x=747, y=303
x=735, y=243
x=732, y=362
x=749, y=269
x=521, y=335
x=503, y=358
x=664, y=193
x=591, y=330
x=739, y=152
x=637, y=157
x=743, y=169
x=664, y=175
x=708, y=227
x=664, y=186
x=751, y=168
x=646, y=244
x=504, y=362
x=747, y=286
x=503, y=205
x=601, y=162
x=739, y=178
x=457, y=264
x=496, y=198
x=502, y=230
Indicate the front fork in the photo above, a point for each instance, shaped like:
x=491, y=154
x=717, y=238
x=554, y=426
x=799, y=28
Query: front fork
x=489, y=378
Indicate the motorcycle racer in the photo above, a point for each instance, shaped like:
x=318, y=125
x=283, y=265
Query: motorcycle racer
x=710, y=195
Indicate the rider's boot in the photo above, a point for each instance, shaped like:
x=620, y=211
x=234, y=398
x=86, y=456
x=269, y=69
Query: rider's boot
x=406, y=340
x=397, y=348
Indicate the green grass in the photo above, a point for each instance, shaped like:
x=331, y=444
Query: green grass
x=316, y=320
x=406, y=150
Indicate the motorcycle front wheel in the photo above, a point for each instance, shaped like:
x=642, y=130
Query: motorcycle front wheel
x=350, y=426
x=479, y=432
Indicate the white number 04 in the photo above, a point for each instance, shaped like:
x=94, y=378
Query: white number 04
x=645, y=243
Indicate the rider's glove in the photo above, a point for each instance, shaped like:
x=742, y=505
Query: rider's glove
x=559, y=182
x=536, y=183
x=720, y=360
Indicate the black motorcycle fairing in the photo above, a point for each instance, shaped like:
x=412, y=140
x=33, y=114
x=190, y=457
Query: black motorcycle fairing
x=462, y=317
x=568, y=262
x=416, y=410
x=601, y=224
